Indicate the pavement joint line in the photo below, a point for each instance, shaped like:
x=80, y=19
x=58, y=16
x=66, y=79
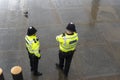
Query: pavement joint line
x=7, y=28
x=102, y=75
x=12, y=28
x=13, y=50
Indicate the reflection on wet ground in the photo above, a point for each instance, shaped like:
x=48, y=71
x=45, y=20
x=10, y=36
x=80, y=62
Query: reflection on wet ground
x=94, y=11
x=98, y=25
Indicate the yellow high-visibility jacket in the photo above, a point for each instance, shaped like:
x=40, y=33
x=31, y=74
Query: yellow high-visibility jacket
x=33, y=45
x=67, y=42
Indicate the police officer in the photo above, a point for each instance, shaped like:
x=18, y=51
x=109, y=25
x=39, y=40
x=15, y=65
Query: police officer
x=67, y=44
x=33, y=48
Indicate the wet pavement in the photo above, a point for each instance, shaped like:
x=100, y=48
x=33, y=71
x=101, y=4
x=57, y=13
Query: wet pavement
x=98, y=25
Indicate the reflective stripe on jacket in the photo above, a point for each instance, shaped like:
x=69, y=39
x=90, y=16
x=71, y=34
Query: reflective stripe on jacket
x=67, y=42
x=33, y=45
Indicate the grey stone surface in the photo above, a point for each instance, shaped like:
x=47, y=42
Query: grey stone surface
x=97, y=23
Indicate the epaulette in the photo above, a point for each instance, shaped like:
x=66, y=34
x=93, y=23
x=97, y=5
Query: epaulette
x=63, y=34
x=34, y=40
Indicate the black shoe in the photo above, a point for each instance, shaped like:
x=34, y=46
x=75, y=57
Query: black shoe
x=37, y=74
x=57, y=65
x=26, y=12
x=65, y=74
x=26, y=15
x=31, y=70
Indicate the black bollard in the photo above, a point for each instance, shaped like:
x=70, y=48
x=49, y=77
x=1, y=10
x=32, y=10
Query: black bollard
x=1, y=74
x=16, y=72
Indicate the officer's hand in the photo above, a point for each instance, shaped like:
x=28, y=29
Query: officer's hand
x=39, y=51
x=39, y=57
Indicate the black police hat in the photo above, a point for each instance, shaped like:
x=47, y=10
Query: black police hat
x=71, y=27
x=31, y=31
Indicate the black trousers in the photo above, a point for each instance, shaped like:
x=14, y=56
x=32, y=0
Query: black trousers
x=65, y=58
x=33, y=62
